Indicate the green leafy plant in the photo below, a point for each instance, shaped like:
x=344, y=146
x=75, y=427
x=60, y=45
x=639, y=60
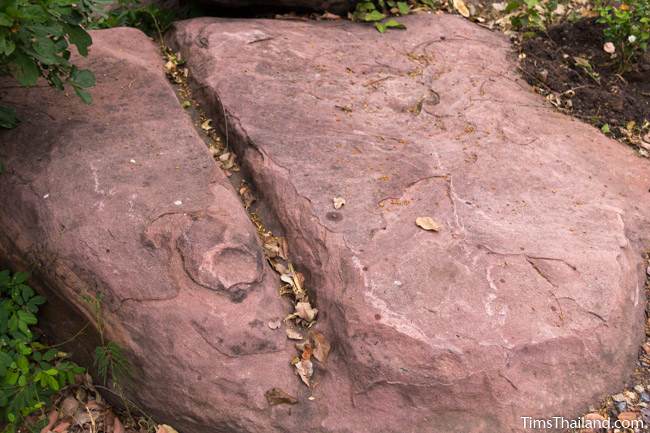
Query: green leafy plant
x=533, y=14
x=377, y=11
x=149, y=18
x=35, y=41
x=627, y=26
x=110, y=362
x=30, y=372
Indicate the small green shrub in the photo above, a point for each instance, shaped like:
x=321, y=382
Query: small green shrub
x=533, y=14
x=35, y=41
x=149, y=18
x=377, y=12
x=30, y=373
x=627, y=26
x=109, y=359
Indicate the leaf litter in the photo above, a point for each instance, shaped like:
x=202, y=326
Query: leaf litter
x=81, y=408
x=276, y=248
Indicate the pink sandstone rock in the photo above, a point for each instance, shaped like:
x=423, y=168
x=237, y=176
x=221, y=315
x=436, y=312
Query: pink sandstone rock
x=122, y=199
x=529, y=300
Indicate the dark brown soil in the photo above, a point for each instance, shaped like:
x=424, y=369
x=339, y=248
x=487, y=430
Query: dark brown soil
x=594, y=90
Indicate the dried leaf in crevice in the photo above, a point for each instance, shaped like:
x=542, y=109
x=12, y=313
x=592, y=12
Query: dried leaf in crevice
x=321, y=347
x=428, y=223
x=293, y=334
x=274, y=324
x=206, y=126
x=306, y=312
x=307, y=352
x=271, y=249
x=305, y=370
x=275, y=396
x=287, y=278
x=246, y=195
x=278, y=267
x=284, y=248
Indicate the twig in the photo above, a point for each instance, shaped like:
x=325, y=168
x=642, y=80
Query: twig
x=74, y=337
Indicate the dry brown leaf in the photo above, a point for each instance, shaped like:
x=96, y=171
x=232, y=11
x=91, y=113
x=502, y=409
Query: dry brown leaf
x=227, y=162
x=330, y=16
x=272, y=249
x=305, y=370
x=305, y=311
x=279, y=267
x=339, y=202
x=94, y=405
x=427, y=223
x=274, y=324
x=293, y=334
x=275, y=396
x=248, y=198
x=298, y=280
x=164, y=428
x=170, y=66
x=82, y=417
x=284, y=248
x=321, y=346
x=287, y=278
x=460, y=6
x=69, y=406
x=206, y=126
x=307, y=351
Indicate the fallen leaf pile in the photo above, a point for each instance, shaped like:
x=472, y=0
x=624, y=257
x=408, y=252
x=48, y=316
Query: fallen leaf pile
x=316, y=346
x=178, y=74
x=80, y=408
x=299, y=323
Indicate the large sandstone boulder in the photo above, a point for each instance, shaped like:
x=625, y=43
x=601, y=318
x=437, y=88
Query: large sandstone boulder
x=527, y=302
x=121, y=199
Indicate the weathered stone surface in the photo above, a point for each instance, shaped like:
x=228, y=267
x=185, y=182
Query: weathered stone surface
x=529, y=300
x=122, y=199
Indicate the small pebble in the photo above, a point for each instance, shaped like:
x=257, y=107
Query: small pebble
x=178, y=202
x=621, y=406
x=645, y=396
x=618, y=397
x=639, y=388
